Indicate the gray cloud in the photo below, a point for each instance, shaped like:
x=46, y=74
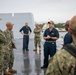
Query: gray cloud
x=58, y=10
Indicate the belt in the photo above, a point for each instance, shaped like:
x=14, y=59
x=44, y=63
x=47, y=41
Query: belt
x=50, y=41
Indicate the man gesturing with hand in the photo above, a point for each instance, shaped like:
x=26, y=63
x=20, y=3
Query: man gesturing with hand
x=50, y=37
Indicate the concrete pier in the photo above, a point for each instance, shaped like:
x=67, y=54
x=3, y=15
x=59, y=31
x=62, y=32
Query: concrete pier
x=28, y=63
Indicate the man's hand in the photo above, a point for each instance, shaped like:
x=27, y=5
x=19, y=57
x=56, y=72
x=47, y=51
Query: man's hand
x=48, y=37
x=22, y=33
x=29, y=33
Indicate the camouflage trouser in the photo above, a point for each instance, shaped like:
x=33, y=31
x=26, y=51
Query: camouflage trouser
x=37, y=41
x=6, y=57
x=11, y=61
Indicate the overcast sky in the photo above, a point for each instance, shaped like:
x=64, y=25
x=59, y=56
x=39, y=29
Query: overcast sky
x=43, y=10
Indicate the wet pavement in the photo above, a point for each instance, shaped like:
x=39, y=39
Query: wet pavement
x=28, y=63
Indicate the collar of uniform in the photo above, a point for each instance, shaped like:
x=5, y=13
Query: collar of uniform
x=7, y=30
x=26, y=27
x=51, y=30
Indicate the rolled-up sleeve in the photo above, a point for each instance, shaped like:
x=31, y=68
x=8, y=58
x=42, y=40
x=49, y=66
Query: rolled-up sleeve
x=21, y=29
x=57, y=33
x=30, y=29
x=45, y=33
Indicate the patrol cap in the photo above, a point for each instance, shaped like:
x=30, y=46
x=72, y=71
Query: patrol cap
x=9, y=24
x=51, y=22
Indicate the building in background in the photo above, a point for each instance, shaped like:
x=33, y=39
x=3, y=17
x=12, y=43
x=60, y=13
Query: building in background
x=18, y=19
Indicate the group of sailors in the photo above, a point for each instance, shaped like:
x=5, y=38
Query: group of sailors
x=62, y=62
x=6, y=50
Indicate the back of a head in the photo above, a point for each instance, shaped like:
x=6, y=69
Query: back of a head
x=67, y=25
x=67, y=22
x=73, y=25
x=9, y=24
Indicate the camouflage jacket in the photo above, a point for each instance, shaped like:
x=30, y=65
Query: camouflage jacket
x=2, y=37
x=37, y=32
x=10, y=37
x=63, y=63
x=3, y=42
